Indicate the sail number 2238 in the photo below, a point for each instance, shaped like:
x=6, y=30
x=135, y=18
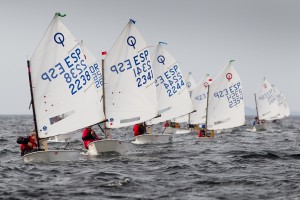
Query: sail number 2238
x=72, y=69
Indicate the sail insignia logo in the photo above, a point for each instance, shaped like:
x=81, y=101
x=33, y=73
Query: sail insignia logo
x=131, y=41
x=161, y=59
x=229, y=76
x=188, y=84
x=59, y=38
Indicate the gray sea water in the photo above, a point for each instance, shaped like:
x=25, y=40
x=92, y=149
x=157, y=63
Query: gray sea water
x=236, y=165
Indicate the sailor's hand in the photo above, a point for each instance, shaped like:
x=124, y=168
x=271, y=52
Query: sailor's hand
x=29, y=144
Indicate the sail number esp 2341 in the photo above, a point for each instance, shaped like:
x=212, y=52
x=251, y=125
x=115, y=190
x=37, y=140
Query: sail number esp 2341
x=139, y=64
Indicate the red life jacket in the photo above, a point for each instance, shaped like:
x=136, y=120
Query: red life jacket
x=33, y=142
x=25, y=148
x=136, y=130
x=87, y=137
x=139, y=129
x=201, y=133
x=166, y=124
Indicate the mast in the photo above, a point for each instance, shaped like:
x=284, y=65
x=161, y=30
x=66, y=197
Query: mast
x=189, y=115
x=207, y=107
x=256, y=106
x=32, y=102
x=103, y=95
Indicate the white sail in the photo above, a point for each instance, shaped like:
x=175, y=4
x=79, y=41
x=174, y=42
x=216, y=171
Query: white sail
x=130, y=93
x=95, y=69
x=283, y=109
x=266, y=102
x=280, y=103
x=65, y=97
x=173, y=95
x=199, y=99
x=225, y=101
x=190, y=82
x=286, y=107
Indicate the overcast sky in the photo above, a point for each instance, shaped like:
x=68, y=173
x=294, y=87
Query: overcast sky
x=263, y=36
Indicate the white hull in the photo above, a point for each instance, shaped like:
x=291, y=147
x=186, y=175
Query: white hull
x=51, y=156
x=183, y=131
x=229, y=130
x=170, y=130
x=153, y=139
x=108, y=145
x=260, y=127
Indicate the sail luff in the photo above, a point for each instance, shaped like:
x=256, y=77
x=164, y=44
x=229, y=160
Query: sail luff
x=103, y=92
x=33, y=106
x=206, y=116
x=256, y=106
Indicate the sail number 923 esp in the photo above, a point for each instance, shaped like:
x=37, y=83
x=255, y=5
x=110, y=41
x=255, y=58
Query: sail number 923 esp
x=234, y=94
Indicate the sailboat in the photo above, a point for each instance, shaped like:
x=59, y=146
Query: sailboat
x=62, y=91
x=173, y=95
x=266, y=105
x=199, y=99
x=107, y=144
x=129, y=84
x=283, y=107
x=225, y=108
x=191, y=85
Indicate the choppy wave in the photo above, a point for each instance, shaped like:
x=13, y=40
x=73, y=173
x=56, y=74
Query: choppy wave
x=237, y=164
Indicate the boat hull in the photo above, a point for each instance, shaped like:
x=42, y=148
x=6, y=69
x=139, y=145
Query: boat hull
x=108, y=145
x=153, y=139
x=260, y=127
x=51, y=156
x=183, y=131
x=170, y=130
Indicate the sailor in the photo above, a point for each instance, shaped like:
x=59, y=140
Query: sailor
x=172, y=124
x=256, y=121
x=202, y=131
x=139, y=129
x=28, y=144
x=166, y=124
x=88, y=136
